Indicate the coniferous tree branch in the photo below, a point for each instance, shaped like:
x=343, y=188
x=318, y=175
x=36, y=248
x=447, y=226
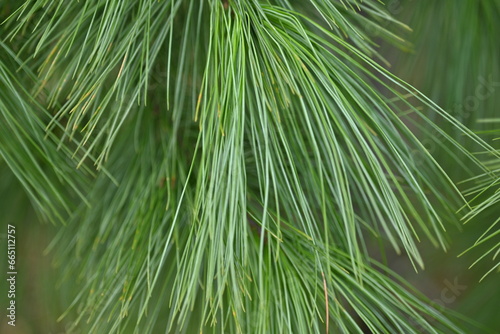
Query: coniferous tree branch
x=244, y=155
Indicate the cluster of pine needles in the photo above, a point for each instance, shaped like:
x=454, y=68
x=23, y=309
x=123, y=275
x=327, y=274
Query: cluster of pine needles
x=224, y=166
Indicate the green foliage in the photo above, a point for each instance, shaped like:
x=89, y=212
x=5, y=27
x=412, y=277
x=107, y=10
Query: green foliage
x=468, y=89
x=222, y=166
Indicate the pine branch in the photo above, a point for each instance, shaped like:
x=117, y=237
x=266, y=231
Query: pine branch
x=244, y=155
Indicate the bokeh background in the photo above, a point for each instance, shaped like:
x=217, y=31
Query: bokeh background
x=452, y=55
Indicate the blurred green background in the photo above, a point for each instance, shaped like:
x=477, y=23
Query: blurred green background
x=453, y=57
